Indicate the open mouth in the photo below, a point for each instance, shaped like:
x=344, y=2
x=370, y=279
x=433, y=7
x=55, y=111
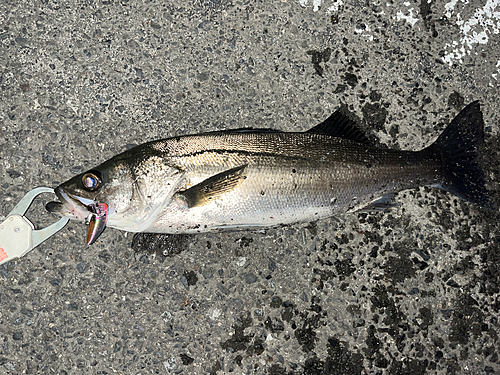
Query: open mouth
x=71, y=206
x=81, y=209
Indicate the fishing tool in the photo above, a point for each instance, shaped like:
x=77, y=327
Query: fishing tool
x=97, y=221
x=18, y=235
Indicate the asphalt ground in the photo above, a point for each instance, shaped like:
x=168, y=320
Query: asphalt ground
x=413, y=290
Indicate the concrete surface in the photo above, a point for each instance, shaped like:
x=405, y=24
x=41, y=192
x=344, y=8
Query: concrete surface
x=411, y=291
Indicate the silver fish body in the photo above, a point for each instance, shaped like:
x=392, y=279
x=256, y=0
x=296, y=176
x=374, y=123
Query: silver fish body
x=284, y=178
x=251, y=179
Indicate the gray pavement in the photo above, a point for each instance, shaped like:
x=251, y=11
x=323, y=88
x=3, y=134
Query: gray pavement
x=410, y=291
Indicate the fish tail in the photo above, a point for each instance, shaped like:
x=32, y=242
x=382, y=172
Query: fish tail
x=457, y=148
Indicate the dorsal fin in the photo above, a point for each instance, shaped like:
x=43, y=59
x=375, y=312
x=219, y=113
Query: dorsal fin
x=254, y=130
x=340, y=125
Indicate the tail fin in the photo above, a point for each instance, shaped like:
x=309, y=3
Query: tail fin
x=458, y=147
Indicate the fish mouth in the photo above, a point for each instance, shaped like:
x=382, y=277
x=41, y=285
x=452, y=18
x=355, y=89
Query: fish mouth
x=70, y=206
x=81, y=209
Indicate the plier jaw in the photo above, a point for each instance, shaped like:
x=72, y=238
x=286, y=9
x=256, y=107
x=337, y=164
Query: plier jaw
x=18, y=235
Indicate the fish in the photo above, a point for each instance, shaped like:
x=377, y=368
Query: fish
x=257, y=178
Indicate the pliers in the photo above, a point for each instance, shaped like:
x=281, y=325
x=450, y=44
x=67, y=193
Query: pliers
x=18, y=235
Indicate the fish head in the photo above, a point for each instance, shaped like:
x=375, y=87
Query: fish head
x=81, y=193
x=127, y=192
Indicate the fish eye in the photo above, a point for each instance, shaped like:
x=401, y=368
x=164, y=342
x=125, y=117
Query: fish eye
x=92, y=180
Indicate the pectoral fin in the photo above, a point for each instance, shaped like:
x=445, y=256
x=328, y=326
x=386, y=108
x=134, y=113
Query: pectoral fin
x=213, y=187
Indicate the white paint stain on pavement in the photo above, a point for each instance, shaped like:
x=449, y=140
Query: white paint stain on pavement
x=408, y=16
x=476, y=30
x=331, y=6
x=497, y=74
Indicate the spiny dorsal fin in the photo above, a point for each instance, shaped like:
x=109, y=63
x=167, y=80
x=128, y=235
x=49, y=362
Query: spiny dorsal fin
x=340, y=125
x=211, y=188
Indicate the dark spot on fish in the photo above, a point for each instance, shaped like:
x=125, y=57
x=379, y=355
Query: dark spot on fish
x=294, y=170
x=262, y=193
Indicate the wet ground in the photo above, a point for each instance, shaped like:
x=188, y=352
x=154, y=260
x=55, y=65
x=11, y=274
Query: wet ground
x=413, y=290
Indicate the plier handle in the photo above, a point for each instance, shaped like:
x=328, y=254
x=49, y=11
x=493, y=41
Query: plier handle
x=18, y=235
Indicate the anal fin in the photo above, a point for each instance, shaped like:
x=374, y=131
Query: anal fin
x=379, y=204
x=213, y=187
